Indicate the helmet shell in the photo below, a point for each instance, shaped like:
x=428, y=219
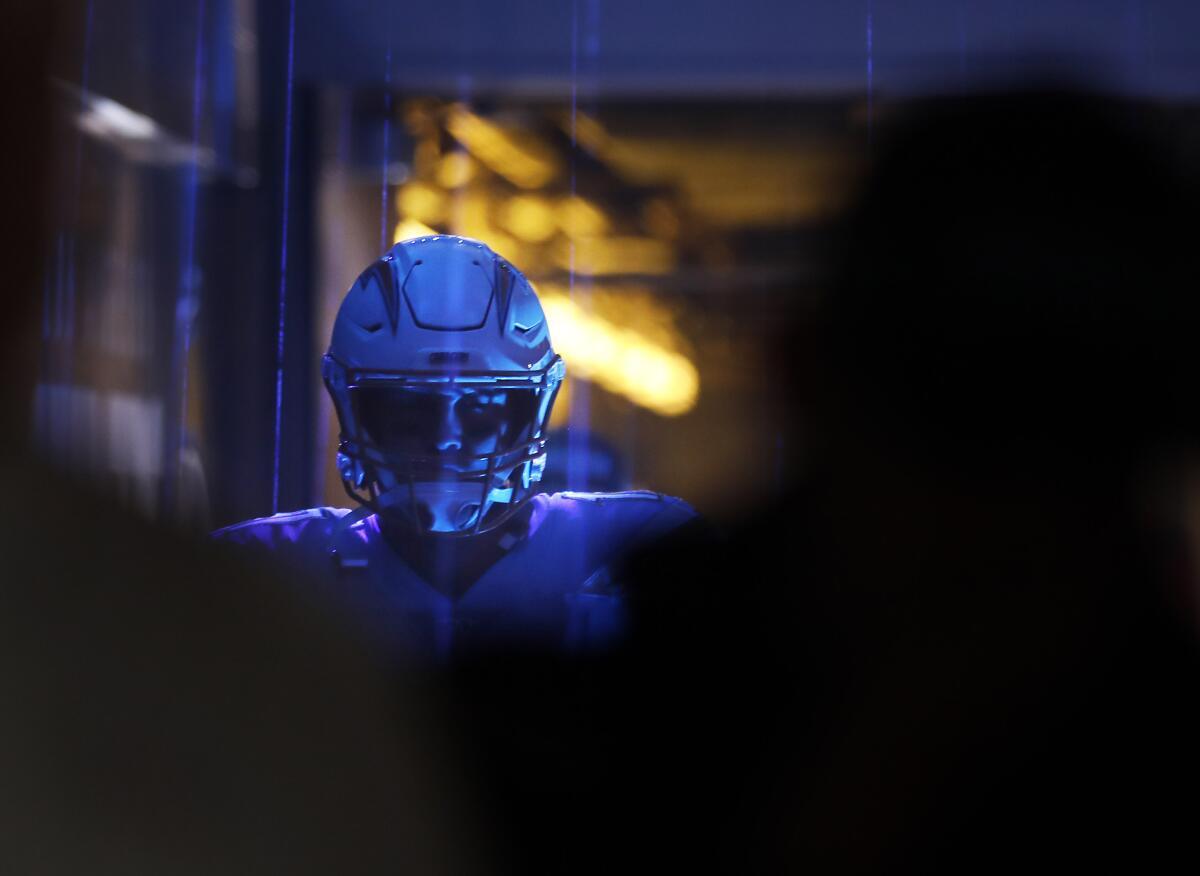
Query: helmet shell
x=441, y=303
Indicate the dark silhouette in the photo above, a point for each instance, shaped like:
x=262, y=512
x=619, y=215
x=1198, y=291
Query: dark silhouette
x=968, y=640
x=971, y=634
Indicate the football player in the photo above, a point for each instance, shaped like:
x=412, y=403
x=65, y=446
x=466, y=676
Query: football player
x=443, y=377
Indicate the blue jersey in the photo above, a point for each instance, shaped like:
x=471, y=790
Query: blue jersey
x=553, y=588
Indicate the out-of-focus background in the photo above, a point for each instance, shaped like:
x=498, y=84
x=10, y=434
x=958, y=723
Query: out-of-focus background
x=664, y=173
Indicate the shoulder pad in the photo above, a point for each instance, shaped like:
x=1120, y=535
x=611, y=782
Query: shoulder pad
x=623, y=495
x=282, y=519
x=628, y=516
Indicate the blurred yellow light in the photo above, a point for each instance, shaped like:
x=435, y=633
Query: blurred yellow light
x=407, y=229
x=620, y=359
x=426, y=155
x=561, y=414
x=530, y=218
x=598, y=256
x=455, y=170
x=589, y=133
x=579, y=217
x=422, y=202
x=470, y=214
x=472, y=218
x=522, y=160
x=504, y=246
x=660, y=219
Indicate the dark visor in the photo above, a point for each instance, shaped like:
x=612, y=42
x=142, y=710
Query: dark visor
x=426, y=421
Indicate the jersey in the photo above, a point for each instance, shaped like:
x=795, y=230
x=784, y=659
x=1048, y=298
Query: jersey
x=552, y=589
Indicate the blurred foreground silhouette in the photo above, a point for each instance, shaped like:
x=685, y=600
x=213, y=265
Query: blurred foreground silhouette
x=972, y=633
x=968, y=639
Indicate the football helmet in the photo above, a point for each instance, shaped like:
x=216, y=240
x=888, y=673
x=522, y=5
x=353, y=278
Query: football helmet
x=443, y=377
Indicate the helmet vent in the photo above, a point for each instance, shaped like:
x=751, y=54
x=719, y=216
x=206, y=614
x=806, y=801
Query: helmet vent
x=455, y=358
x=373, y=327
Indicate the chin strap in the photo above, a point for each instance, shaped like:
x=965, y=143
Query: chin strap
x=401, y=496
x=455, y=508
x=362, y=512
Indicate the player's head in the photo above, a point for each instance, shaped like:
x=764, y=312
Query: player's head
x=442, y=375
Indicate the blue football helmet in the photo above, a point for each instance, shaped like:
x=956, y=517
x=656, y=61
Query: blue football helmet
x=443, y=377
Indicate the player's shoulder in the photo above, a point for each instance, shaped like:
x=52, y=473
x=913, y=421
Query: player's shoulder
x=296, y=528
x=637, y=498
x=642, y=512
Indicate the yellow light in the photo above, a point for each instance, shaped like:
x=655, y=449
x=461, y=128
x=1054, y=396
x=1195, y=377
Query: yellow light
x=561, y=415
x=621, y=359
x=521, y=159
x=579, y=218
x=599, y=256
x=455, y=170
x=590, y=134
x=422, y=202
x=472, y=218
x=660, y=219
x=530, y=218
x=406, y=229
